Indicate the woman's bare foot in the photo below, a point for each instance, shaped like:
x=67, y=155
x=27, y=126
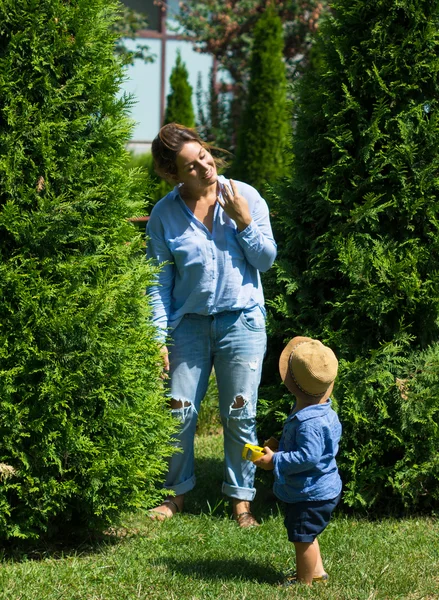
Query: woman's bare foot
x=167, y=509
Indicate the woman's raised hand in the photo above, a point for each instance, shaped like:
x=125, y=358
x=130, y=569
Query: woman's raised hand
x=165, y=359
x=235, y=205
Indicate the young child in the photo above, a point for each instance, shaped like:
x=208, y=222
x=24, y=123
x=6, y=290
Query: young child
x=305, y=471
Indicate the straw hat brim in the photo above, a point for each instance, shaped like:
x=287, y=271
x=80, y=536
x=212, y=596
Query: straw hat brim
x=287, y=377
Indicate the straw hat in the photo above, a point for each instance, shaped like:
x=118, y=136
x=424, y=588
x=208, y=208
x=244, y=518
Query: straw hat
x=308, y=369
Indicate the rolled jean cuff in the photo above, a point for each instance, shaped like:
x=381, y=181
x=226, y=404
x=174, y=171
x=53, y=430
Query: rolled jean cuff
x=232, y=491
x=184, y=487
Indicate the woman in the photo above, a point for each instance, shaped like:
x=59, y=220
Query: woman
x=212, y=237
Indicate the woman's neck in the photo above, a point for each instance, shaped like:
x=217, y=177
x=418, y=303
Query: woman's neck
x=207, y=195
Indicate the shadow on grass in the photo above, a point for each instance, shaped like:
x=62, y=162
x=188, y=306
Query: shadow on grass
x=210, y=569
x=58, y=548
x=207, y=497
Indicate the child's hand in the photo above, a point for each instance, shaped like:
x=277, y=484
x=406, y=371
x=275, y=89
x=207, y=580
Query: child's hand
x=266, y=461
x=272, y=443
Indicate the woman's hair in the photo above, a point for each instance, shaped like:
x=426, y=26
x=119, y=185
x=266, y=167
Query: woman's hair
x=168, y=144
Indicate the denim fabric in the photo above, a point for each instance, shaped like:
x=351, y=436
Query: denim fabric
x=207, y=273
x=304, y=466
x=234, y=343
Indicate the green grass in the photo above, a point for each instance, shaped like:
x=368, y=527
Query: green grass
x=202, y=554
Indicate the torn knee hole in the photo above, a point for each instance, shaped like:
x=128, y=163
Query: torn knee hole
x=239, y=402
x=179, y=403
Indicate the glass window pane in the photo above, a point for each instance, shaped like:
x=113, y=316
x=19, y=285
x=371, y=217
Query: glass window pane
x=173, y=7
x=146, y=7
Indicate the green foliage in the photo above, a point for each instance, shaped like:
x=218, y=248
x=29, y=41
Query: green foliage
x=357, y=224
x=262, y=140
x=179, y=107
x=225, y=30
x=213, y=113
x=357, y=231
x=127, y=25
x=159, y=187
x=390, y=414
x=82, y=422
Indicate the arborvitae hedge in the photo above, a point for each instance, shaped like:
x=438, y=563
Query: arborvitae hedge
x=358, y=235
x=263, y=136
x=179, y=107
x=83, y=430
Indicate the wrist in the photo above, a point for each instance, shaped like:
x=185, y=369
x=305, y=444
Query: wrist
x=242, y=224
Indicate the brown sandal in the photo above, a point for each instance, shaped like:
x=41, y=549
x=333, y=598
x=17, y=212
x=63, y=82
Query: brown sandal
x=158, y=515
x=246, y=519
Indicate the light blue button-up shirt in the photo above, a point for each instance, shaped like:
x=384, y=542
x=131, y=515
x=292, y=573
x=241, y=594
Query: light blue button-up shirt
x=304, y=466
x=202, y=272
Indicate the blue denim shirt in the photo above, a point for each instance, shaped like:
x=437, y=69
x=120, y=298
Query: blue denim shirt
x=202, y=272
x=304, y=466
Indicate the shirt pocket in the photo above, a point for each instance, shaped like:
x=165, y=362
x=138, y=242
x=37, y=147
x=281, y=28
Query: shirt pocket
x=188, y=251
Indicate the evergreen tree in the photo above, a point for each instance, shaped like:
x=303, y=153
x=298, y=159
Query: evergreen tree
x=213, y=113
x=83, y=432
x=359, y=217
x=260, y=155
x=179, y=107
x=358, y=238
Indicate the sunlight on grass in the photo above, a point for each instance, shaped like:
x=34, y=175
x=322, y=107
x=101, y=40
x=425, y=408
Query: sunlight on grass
x=202, y=554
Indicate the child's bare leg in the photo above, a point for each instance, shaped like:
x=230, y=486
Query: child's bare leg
x=309, y=562
x=319, y=569
x=306, y=561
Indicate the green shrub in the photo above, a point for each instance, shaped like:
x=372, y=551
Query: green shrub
x=356, y=226
x=83, y=430
x=358, y=235
x=158, y=187
x=390, y=415
x=262, y=140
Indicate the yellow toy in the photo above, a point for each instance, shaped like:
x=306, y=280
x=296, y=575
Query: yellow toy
x=251, y=452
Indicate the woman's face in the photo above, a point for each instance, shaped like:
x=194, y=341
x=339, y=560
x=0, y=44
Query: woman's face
x=196, y=168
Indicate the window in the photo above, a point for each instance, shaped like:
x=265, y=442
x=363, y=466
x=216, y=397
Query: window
x=148, y=8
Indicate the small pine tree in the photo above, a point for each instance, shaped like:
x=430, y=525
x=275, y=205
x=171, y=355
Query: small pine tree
x=83, y=431
x=263, y=137
x=179, y=108
x=358, y=235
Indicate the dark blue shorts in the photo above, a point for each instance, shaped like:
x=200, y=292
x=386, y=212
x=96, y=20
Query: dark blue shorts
x=305, y=520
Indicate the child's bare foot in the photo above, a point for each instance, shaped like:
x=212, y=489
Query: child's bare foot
x=168, y=508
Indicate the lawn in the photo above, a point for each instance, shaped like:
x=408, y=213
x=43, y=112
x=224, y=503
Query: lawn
x=202, y=554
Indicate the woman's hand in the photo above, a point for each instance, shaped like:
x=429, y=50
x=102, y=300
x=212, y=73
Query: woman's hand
x=266, y=461
x=235, y=205
x=165, y=359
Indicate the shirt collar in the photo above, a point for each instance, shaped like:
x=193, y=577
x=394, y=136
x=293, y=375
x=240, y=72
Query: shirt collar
x=311, y=412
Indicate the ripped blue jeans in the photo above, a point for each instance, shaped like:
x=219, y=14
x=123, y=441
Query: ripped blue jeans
x=234, y=343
